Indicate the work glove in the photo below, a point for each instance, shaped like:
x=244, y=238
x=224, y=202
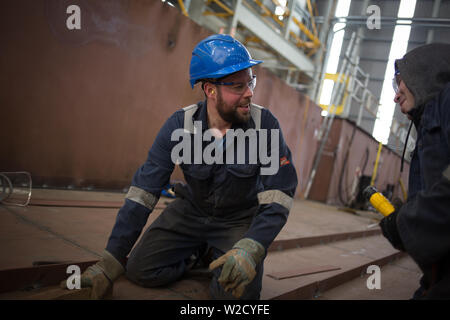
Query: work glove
x=389, y=227
x=100, y=276
x=239, y=265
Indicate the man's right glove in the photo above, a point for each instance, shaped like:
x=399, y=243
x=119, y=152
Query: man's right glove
x=239, y=265
x=389, y=228
x=100, y=276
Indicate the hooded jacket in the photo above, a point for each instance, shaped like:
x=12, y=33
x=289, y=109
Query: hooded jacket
x=424, y=221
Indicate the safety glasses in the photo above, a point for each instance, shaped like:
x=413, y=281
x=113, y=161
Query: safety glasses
x=238, y=87
x=396, y=82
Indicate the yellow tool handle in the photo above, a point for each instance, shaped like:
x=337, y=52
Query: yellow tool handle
x=382, y=204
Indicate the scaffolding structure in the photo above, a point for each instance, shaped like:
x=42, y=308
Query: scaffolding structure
x=283, y=34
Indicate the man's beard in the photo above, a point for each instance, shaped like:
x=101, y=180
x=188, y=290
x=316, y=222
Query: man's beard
x=232, y=116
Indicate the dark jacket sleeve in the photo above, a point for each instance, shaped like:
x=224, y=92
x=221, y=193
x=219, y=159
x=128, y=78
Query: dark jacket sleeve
x=275, y=200
x=424, y=224
x=145, y=190
x=424, y=221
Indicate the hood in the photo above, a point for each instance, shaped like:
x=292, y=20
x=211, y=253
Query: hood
x=425, y=71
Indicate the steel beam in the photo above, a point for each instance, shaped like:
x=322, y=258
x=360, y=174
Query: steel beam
x=287, y=50
x=322, y=239
x=434, y=14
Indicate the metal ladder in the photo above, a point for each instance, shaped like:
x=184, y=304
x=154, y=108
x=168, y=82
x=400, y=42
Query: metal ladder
x=346, y=69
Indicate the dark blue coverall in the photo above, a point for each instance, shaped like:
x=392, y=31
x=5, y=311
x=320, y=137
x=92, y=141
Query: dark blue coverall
x=219, y=205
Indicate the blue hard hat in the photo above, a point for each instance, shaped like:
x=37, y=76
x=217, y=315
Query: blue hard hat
x=217, y=56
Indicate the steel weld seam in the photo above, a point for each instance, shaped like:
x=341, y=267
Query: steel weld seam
x=48, y=230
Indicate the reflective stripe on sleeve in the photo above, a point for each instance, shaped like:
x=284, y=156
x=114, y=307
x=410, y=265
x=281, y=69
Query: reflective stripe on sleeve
x=277, y=196
x=142, y=197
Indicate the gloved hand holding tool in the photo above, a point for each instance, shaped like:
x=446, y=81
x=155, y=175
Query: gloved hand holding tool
x=100, y=276
x=239, y=265
x=389, y=223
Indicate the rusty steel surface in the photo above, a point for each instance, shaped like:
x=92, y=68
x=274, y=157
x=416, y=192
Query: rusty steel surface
x=63, y=233
x=56, y=293
x=325, y=169
x=95, y=98
x=313, y=289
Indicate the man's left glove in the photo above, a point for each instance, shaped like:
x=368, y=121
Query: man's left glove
x=100, y=276
x=239, y=265
x=389, y=227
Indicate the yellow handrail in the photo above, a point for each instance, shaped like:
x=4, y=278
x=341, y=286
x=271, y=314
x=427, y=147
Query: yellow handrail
x=375, y=168
x=337, y=77
x=300, y=43
x=269, y=13
x=228, y=12
x=224, y=7
x=308, y=2
x=183, y=8
x=308, y=33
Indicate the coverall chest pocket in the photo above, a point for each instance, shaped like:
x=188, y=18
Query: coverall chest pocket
x=243, y=170
x=199, y=179
x=197, y=171
x=239, y=189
